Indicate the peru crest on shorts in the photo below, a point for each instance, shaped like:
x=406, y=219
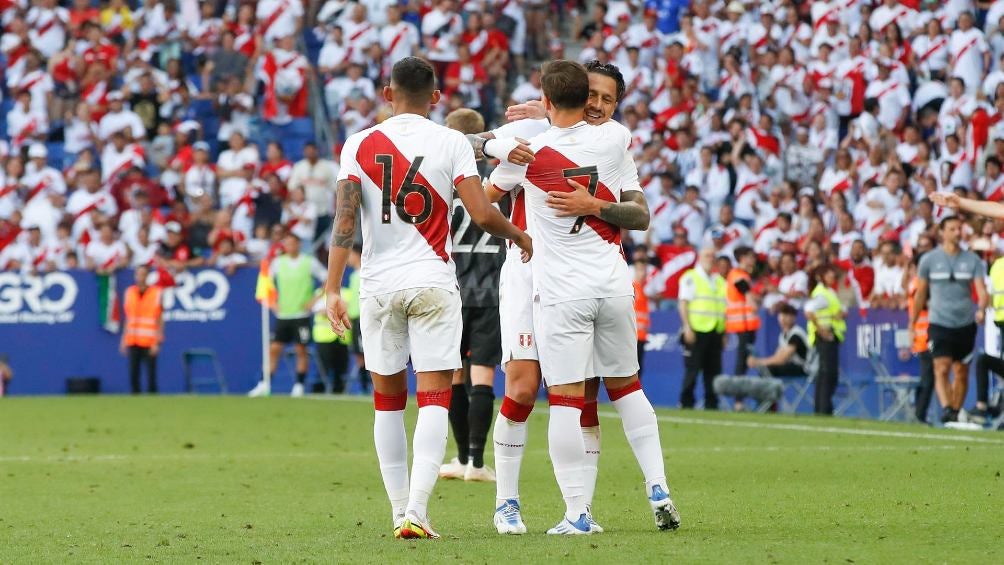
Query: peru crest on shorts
x=526, y=341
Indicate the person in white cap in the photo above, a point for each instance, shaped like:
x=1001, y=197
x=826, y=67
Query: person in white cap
x=731, y=32
x=200, y=179
x=41, y=179
x=121, y=119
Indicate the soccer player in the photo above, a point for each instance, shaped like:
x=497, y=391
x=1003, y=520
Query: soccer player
x=606, y=89
x=402, y=173
x=584, y=311
x=479, y=258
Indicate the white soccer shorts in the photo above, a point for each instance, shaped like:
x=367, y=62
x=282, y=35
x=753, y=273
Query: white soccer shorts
x=424, y=324
x=582, y=339
x=516, y=311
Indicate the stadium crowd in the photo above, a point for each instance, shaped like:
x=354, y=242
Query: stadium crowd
x=178, y=133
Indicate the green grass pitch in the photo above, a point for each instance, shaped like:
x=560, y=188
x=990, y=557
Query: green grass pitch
x=235, y=480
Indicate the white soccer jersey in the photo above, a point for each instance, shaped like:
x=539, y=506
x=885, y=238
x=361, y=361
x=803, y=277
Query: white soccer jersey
x=407, y=167
x=585, y=250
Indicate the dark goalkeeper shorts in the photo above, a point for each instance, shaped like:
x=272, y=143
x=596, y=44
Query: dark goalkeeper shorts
x=297, y=330
x=481, y=342
x=957, y=343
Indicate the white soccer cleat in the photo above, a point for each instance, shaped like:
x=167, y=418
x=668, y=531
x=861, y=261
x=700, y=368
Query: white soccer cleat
x=479, y=474
x=667, y=517
x=297, y=391
x=259, y=390
x=508, y=519
x=452, y=470
x=414, y=527
x=596, y=528
x=566, y=527
x=398, y=524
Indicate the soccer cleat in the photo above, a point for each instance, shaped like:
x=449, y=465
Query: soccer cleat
x=479, y=474
x=415, y=528
x=667, y=517
x=593, y=526
x=508, y=519
x=398, y=522
x=297, y=391
x=453, y=470
x=567, y=527
x=260, y=389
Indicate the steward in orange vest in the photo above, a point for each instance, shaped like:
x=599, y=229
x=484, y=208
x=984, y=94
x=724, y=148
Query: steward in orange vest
x=641, y=310
x=741, y=310
x=144, y=329
x=919, y=347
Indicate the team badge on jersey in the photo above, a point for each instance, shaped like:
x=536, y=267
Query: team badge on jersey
x=526, y=341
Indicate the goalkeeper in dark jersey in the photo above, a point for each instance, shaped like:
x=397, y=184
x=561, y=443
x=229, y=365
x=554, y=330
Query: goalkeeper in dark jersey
x=479, y=258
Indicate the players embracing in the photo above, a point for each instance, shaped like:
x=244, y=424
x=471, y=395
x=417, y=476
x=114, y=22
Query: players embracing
x=576, y=194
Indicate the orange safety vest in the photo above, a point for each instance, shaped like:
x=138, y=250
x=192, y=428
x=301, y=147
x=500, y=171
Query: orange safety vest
x=142, y=316
x=740, y=316
x=641, y=311
x=920, y=329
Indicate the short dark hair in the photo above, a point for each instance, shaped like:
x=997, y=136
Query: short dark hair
x=566, y=84
x=743, y=251
x=993, y=160
x=785, y=308
x=414, y=77
x=946, y=219
x=609, y=70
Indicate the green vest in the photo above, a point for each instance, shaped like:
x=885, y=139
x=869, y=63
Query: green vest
x=997, y=282
x=706, y=311
x=295, y=285
x=322, y=327
x=828, y=317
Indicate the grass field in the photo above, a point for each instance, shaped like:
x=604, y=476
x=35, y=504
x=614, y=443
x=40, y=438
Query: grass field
x=235, y=480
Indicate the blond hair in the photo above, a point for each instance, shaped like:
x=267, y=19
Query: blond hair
x=465, y=121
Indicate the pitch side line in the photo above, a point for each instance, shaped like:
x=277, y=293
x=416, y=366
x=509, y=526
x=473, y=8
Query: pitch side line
x=757, y=425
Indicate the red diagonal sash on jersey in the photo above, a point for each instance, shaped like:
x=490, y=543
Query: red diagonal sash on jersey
x=397, y=39
x=955, y=59
x=9, y=189
x=435, y=230
x=44, y=28
x=359, y=33
x=25, y=133
x=996, y=191
x=751, y=186
x=886, y=90
x=841, y=186
x=932, y=49
x=545, y=173
x=271, y=19
x=86, y=210
x=39, y=75
x=825, y=18
x=35, y=190
x=40, y=258
x=110, y=262
x=478, y=44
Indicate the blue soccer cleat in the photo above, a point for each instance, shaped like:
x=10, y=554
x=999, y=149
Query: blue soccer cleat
x=508, y=519
x=667, y=517
x=566, y=527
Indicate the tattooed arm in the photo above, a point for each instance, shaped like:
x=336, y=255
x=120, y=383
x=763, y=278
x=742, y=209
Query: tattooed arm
x=630, y=213
x=343, y=234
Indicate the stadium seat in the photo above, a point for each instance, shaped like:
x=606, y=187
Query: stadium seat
x=899, y=389
x=189, y=357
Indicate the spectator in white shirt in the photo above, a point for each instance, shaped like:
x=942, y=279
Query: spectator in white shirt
x=317, y=178
x=888, y=291
x=120, y=119
x=105, y=254
x=227, y=258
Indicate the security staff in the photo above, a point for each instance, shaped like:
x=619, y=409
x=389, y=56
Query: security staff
x=919, y=348
x=642, y=310
x=144, y=329
x=332, y=349
x=741, y=316
x=702, y=316
x=295, y=275
x=947, y=276
x=826, y=332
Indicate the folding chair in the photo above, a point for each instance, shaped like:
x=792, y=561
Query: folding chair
x=188, y=358
x=794, y=386
x=852, y=389
x=900, y=390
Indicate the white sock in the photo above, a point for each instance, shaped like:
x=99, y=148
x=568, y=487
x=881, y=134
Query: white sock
x=642, y=430
x=431, y=432
x=568, y=454
x=392, y=452
x=510, y=441
x=591, y=439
